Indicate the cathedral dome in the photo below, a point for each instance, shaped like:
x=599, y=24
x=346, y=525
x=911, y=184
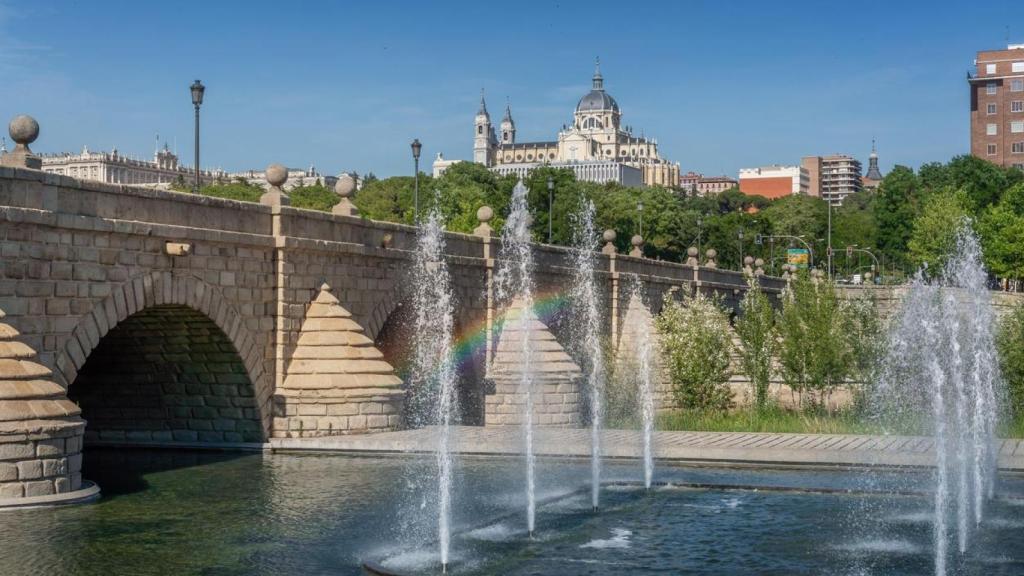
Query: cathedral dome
x=597, y=98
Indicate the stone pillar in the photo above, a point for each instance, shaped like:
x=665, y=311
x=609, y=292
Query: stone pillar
x=759, y=267
x=710, y=256
x=344, y=188
x=609, y=250
x=483, y=216
x=638, y=246
x=40, y=429
x=276, y=175
x=691, y=257
x=23, y=130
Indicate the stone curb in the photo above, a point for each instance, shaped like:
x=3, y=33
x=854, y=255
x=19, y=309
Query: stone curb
x=89, y=492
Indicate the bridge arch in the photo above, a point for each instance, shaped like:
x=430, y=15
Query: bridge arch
x=199, y=340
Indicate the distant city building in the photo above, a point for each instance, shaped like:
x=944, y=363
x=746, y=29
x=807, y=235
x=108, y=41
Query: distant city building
x=873, y=178
x=297, y=177
x=688, y=182
x=596, y=146
x=832, y=178
x=997, y=106
x=715, y=185
x=774, y=181
x=114, y=168
x=440, y=165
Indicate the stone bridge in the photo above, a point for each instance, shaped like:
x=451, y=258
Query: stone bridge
x=173, y=317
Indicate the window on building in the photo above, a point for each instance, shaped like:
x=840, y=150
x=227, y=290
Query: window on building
x=1017, y=106
x=991, y=150
x=1017, y=127
x=990, y=68
x=991, y=88
x=991, y=109
x=1017, y=67
x=1017, y=85
x=992, y=129
x=1017, y=148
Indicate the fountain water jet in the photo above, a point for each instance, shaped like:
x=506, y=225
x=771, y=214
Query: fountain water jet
x=942, y=349
x=645, y=382
x=514, y=289
x=588, y=322
x=433, y=366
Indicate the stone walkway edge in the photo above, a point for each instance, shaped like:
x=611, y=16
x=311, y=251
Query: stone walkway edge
x=757, y=448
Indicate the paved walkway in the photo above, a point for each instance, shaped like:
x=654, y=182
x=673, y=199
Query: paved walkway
x=723, y=447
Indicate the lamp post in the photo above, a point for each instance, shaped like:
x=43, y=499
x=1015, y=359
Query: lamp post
x=640, y=210
x=197, y=89
x=829, y=236
x=740, y=236
x=551, y=190
x=416, y=147
x=700, y=232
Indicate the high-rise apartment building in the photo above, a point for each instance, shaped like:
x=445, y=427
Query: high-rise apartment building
x=832, y=178
x=997, y=106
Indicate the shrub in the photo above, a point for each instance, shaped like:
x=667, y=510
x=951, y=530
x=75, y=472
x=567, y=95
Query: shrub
x=1010, y=345
x=756, y=330
x=816, y=351
x=696, y=346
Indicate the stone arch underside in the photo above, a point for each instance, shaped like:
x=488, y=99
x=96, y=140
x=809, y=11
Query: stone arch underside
x=178, y=296
x=166, y=373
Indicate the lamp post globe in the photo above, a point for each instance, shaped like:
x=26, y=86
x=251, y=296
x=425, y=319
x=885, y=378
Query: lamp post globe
x=416, y=147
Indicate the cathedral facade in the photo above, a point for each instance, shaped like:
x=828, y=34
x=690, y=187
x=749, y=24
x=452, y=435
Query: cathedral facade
x=596, y=145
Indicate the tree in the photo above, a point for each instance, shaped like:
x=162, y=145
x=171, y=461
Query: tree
x=896, y=207
x=756, y=330
x=1010, y=345
x=816, y=352
x=697, y=347
x=1002, y=235
x=798, y=215
x=934, y=234
x=315, y=197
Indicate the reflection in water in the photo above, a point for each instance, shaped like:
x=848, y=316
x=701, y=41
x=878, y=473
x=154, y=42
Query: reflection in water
x=169, y=512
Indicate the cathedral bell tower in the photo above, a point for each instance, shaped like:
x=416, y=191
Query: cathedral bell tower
x=483, y=139
x=508, y=127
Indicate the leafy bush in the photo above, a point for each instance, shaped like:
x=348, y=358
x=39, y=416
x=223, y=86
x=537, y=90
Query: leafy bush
x=696, y=346
x=756, y=330
x=817, y=351
x=315, y=197
x=1010, y=344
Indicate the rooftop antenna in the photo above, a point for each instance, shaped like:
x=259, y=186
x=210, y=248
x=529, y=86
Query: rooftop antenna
x=156, y=150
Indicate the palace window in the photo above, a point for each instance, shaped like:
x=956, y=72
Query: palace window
x=991, y=88
x=529, y=156
x=992, y=129
x=991, y=109
x=1017, y=106
x=479, y=129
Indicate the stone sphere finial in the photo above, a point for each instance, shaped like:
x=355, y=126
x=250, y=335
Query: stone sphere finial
x=345, y=186
x=748, y=260
x=610, y=235
x=711, y=253
x=758, y=262
x=484, y=214
x=637, y=240
x=23, y=130
x=276, y=175
x=691, y=251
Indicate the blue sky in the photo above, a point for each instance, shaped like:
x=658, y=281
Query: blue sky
x=347, y=85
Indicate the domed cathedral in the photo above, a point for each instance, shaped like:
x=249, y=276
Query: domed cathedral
x=596, y=145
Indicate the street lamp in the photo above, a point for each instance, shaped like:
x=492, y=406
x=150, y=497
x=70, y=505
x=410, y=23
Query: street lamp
x=640, y=210
x=197, y=89
x=740, y=235
x=830, y=236
x=551, y=190
x=700, y=232
x=416, y=147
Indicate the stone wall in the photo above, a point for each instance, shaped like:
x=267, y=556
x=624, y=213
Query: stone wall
x=167, y=373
